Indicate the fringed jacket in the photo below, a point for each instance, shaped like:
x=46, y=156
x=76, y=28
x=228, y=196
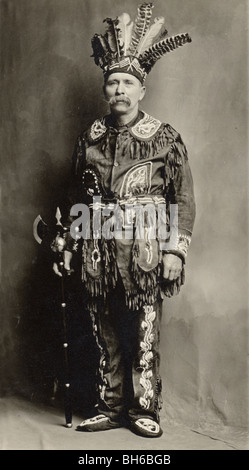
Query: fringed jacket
x=144, y=162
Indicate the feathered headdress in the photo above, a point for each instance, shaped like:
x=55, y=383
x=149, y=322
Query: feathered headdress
x=134, y=47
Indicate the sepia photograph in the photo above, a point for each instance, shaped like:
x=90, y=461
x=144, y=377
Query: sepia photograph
x=124, y=229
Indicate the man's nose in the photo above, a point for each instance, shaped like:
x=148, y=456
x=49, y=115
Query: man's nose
x=120, y=89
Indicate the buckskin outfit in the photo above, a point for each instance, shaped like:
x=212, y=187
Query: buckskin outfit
x=144, y=162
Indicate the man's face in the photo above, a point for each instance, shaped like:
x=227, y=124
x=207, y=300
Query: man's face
x=123, y=93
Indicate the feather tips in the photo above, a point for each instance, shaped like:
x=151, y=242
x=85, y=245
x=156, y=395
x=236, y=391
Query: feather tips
x=100, y=49
x=142, y=40
x=112, y=35
x=125, y=26
x=162, y=34
x=157, y=50
x=151, y=35
x=142, y=23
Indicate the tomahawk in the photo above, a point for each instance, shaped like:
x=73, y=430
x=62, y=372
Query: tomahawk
x=40, y=229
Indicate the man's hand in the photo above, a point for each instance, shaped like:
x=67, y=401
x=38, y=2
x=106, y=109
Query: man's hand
x=67, y=256
x=172, y=266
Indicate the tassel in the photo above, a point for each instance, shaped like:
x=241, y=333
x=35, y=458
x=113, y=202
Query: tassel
x=142, y=23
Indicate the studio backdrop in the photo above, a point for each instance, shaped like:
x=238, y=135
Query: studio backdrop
x=50, y=91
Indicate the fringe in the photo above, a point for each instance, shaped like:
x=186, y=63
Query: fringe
x=100, y=286
x=148, y=286
x=135, y=300
x=139, y=149
x=110, y=264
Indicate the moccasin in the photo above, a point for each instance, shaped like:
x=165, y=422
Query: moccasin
x=97, y=423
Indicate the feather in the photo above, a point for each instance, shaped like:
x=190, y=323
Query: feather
x=162, y=34
x=141, y=26
x=157, y=50
x=100, y=49
x=151, y=34
x=126, y=27
x=112, y=35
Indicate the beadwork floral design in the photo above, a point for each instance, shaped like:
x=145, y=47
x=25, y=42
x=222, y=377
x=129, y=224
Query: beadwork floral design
x=146, y=360
x=98, y=129
x=146, y=128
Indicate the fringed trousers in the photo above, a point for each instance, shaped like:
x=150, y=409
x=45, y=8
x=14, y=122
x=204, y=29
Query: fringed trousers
x=128, y=380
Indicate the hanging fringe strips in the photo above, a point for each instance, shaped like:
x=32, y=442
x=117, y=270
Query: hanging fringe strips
x=141, y=149
x=148, y=285
x=105, y=279
x=144, y=140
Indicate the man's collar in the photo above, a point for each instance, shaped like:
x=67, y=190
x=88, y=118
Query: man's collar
x=111, y=122
x=144, y=127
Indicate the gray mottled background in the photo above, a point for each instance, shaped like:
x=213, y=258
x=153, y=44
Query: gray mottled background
x=50, y=90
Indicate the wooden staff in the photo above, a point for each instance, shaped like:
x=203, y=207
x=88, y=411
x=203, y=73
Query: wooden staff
x=66, y=373
x=40, y=230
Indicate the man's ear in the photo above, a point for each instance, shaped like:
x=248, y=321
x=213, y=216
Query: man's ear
x=142, y=94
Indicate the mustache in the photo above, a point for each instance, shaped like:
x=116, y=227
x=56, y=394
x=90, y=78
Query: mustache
x=119, y=99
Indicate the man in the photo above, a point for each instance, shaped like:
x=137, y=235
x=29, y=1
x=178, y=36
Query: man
x=129, y=160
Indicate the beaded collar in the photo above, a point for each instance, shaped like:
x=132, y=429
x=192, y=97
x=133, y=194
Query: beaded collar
x=144, y=129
